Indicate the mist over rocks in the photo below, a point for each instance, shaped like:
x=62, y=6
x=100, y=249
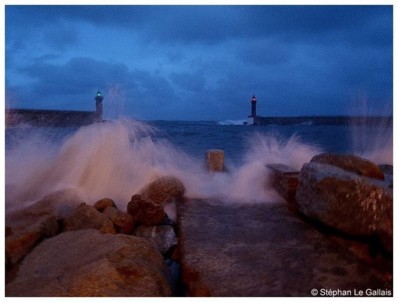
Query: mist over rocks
x=148, y=206
x=351, y=163
x=104, y=203
x=87, y=263
x=163, y=189
x=162, y=236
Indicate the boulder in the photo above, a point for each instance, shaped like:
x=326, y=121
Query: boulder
x=124, y=222
x=215, y=160
x=104, y=203
x=26, y=227
x=19, y=243
x=87, y=263
x=353, y=204
x=163, y=189
x=351, y=163
x=162, y=236
x=86, y=217
x=145, y=211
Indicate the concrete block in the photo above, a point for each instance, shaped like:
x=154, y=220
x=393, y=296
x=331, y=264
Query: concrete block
x=215, y=160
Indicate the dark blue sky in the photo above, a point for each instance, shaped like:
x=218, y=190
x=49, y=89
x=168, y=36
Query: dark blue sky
x=200, y=62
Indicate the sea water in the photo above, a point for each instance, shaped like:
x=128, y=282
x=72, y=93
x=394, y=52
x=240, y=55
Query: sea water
x=116, y=158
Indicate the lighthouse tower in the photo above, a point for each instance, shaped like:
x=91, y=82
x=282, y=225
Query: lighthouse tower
x=98, y=105
x=252, y=117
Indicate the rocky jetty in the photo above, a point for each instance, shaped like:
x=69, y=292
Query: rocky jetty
x=335, y=233
x=61, y=246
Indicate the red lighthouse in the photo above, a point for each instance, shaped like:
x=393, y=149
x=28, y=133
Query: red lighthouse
x=254, y=104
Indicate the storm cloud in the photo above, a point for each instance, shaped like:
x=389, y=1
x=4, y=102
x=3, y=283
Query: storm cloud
x=200, y=62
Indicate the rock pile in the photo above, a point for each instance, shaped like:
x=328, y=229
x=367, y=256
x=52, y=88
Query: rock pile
x=60, y=246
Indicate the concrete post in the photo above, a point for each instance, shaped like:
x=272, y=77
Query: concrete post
x=215, y=160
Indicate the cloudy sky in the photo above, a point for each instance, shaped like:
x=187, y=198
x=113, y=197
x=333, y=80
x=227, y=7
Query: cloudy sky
x=200, y=62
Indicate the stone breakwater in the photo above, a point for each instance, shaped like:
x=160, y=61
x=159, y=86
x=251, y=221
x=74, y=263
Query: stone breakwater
x=60, y=246
x=335, y=232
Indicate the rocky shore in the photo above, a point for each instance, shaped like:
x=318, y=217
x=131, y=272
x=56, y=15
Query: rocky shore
x=335, y=231
x=60, y=246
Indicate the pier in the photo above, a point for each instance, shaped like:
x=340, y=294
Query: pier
x=369, y=120
x=55, y=118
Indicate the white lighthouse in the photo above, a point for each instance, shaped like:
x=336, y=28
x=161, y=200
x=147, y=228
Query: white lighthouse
x=252, y=117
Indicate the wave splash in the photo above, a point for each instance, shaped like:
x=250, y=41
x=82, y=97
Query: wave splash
x=232, y=122
x=117, y=158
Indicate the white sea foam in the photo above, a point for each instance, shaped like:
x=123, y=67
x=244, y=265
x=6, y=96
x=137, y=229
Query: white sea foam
x=232, y=122
x=116, y=159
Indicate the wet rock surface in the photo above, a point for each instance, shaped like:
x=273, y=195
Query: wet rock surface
x=355, y=205
x=145, y=211
x=123, y=222
x=91, y=264
x=86, y=217
x=27, y=227
x=263, y=250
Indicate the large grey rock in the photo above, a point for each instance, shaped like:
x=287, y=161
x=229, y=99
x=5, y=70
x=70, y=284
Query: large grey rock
x=351, y=163
x=88, y=263
x=163, y=189
x=355, y=205
x=86, y=217
x=162, y=236
x=26, y=227
x=262, y=250
x=145, y=211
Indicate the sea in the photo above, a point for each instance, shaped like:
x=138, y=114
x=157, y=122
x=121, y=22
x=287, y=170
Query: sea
x=116, y=158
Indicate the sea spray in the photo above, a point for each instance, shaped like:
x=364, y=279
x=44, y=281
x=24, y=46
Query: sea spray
x=115, y=159
x=373, y=139
x=374, y=142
